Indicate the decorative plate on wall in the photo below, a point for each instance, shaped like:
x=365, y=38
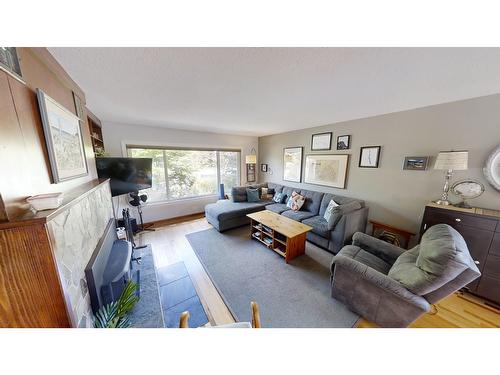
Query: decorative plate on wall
x=492, y=169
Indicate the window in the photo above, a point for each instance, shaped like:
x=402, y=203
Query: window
x=185, y=173
x=9, y=60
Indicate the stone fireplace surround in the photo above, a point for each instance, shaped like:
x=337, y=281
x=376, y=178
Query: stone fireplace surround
x=74, y=234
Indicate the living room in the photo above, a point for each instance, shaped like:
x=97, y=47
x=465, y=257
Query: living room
x=323, y=186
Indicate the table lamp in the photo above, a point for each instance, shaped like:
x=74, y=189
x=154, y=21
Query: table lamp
x=450, y=161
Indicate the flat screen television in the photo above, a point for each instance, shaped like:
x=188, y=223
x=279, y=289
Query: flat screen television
x=126, y=174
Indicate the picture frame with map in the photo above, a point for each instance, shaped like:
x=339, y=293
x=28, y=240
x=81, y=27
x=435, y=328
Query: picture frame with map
x=63, y=136
x=327, y=170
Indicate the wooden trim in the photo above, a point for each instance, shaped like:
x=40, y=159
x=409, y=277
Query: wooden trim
x=43, y=54
x=176, y=220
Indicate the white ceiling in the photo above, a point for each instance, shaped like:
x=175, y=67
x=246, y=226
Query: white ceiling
x=260, y=91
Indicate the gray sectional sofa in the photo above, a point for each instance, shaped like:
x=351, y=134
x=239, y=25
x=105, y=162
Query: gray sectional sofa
x=227, y=214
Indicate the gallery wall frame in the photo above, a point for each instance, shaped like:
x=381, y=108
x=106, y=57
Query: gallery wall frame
x=369, y=156
x=321, y=141
x=292, y=163
x=327, y=170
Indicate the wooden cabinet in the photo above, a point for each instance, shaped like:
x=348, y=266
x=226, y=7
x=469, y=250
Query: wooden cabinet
x=481, y=230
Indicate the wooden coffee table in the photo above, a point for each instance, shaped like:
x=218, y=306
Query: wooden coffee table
x=285, y=236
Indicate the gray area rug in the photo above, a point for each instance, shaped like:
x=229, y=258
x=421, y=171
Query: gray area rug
x=289, y=295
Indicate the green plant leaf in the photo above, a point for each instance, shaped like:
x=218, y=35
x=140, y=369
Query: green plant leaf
x=114, y=314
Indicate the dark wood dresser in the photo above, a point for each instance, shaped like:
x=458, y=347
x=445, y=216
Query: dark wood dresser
x=481, y=231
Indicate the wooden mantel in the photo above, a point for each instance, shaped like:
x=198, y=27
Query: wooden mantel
x=41, y=217
x=35, y=291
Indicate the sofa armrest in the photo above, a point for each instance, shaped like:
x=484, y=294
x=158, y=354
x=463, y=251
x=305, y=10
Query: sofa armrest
x=379, y=248
x=378, y=279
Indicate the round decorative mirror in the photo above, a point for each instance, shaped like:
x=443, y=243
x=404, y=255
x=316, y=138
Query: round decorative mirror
x=467, y=189
x=492, y=169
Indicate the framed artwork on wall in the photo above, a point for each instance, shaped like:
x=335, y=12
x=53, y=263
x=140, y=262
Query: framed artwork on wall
x=369, y=156
x=343, y=142
x=415, y=163
x=327, y=170
x=263, y=167
x=292, y=164
x=251, y=173
x=321, y=141
x=63, y=137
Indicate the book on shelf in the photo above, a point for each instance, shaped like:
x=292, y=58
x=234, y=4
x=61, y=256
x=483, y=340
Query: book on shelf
x=268, y=240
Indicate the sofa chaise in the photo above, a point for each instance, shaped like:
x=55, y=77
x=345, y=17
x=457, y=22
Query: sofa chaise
x=227, y=214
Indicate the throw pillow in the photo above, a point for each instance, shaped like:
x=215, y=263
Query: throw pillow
x=271, y=191
x=252, y=195
x=329, y=214
x=296, y=201
x=339, y=211
x=278, y=197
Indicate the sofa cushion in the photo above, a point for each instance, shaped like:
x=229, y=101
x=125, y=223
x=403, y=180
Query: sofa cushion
x=297, y=215
x=227, y=209
x=319, y=226
x=313, y=200
x=441, y=256
x=366, y=258
x=287, y=191
x=277, y=187
x=239, y=194
x=277, y=207
x=252, y=195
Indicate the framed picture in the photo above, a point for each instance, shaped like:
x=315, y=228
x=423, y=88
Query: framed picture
x=292, y=164
x=327, y=170
x=78, y=106
x=251, y=173
x=343, y=142
x=321, y=142
x=369, y=156
x=63, y=137
x=415, y=163
x=263, y=167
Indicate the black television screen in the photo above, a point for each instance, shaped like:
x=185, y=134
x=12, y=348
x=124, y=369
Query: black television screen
x=126, y=174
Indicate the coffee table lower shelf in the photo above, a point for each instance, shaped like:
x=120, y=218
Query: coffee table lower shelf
x=288, y=247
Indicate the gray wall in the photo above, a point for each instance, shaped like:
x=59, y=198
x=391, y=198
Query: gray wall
x=396, y=196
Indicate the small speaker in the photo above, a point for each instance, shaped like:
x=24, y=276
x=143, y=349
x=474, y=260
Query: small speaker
x=133, y=223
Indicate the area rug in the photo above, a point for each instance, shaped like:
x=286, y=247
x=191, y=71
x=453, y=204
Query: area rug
x=293, y=295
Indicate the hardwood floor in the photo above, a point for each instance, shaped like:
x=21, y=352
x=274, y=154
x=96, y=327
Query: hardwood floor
x=170, y=246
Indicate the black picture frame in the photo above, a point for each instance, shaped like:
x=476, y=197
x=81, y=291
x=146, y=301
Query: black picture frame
x=348, y=147
x=263, y=168
x=330, y=134
x=377, y=162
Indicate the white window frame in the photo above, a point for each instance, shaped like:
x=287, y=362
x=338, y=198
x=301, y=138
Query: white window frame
x=139, y=145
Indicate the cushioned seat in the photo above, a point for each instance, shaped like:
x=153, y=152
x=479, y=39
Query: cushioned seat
x=227, y=214
x=297, y=215
x=319, y=226
x=392, y=287
x=358, y=254
x=277, y=207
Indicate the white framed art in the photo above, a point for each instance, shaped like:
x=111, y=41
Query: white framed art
x=63, y=137
x=327, y=170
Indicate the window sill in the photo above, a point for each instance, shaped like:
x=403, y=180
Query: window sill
x=181, y=200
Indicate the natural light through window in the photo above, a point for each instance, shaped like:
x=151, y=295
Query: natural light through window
x=186, y=173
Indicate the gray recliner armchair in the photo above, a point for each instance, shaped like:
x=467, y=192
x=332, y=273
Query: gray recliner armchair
x=392, y=287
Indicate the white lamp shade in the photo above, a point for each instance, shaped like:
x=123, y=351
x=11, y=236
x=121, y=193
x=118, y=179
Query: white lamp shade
x=454, y=160
x=251, y=159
